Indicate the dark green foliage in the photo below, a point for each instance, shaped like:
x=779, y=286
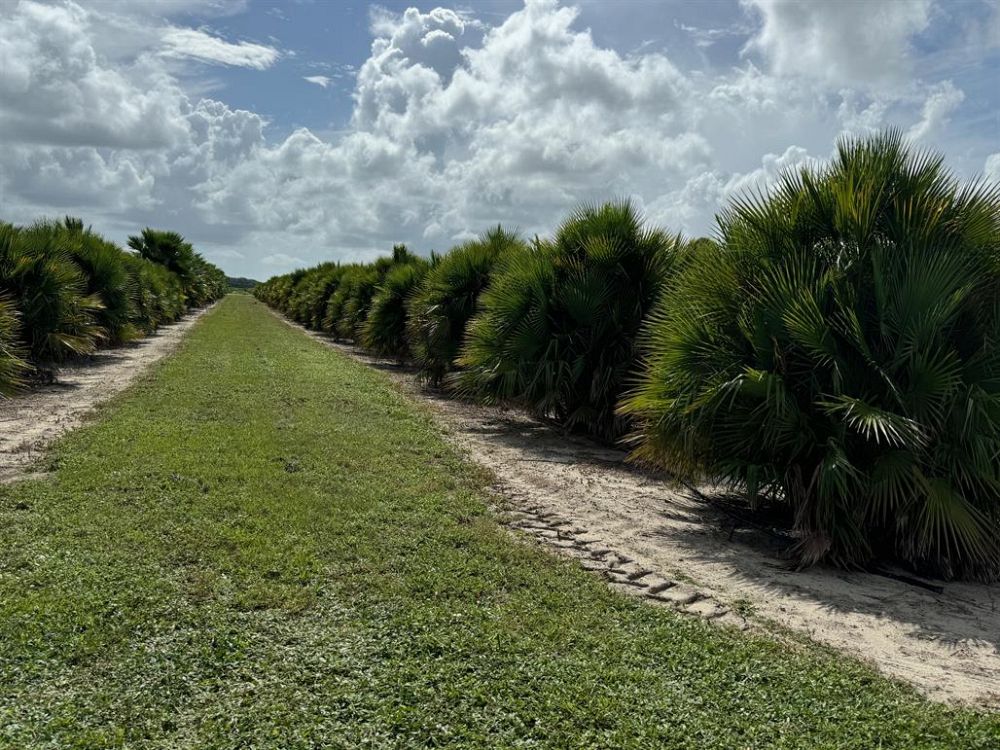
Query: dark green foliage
x=307, y=304
x=384, y=330
x=558, y=323
x=328, y=297
x=347, y=308
x=157, y=296
x=367, y=303
x=449, y=297
x=277, y=291
x=200, y=280
x=209, y=284
x=12, y=364
x=38, y=273
x=838, y=356
x=240, y=282
x=168, y=249
x=107, y=279
x=69, y=291
x=359, y=291
x=348, y=305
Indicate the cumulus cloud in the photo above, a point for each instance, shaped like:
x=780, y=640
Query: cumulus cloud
x=200, y=45
x=941, y=102
x=704, y=193
x=992, y=167
x=456, y=129
x=456, y=126
x=855, y=43
x=281, y=260
x=54, y=89
x=116, y=139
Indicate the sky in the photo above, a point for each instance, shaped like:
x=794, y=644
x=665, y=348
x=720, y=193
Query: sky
x=277, y=135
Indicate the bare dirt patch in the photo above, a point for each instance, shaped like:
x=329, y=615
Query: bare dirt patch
x=30, y=421
x=582, y=499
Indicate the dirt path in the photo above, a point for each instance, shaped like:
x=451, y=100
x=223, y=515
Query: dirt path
x=31, y=421
x=948, y=645
x=667, y=544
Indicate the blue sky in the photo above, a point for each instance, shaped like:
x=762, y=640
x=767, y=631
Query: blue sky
x=333, y=39
x=280, y=134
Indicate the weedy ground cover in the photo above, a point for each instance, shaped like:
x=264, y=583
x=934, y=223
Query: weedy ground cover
x=265, y=544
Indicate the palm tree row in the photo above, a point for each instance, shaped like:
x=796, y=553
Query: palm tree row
x=65, y=291
x=833, y=354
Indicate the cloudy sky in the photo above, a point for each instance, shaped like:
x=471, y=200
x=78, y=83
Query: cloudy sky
x=279, y=134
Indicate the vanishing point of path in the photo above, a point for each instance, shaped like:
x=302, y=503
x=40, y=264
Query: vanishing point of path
x=266, y=544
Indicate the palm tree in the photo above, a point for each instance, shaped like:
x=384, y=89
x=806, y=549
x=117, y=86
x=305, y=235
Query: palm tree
x=37, y=272
x=307, y=301
x=166, y=248
x=837, y=356
x=449, y=297
x=384, y=331
x=201, y=281
x=558, y=326
x=348, y=307
x=156, y=294
x=107, y=278
x=12, y=364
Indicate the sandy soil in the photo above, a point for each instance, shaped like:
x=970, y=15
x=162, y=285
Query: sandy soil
x=578, y=496
x=31, y=421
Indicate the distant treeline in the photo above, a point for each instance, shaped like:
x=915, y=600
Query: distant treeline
x=238, y=282
x=66, y=291
x=834, y=353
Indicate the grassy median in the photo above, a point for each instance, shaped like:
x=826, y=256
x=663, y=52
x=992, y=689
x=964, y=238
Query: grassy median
x=264, y=544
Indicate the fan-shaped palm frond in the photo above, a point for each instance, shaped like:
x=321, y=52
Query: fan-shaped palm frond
x=201, y=281
x=837, y=354
x=106, y=277
x=12, y=363
x=384, y=331
x=37, y=272
x=449, y=297
x=557, y=330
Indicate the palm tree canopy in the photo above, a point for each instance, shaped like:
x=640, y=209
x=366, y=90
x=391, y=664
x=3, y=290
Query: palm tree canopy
x=558, y=326
x=837, y=354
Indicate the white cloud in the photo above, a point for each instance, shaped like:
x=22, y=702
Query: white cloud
x=200, y=45
x=54, y=89
x=857, y=43
x=114, y=138
x=705, y=192
x=706, y=37
x=941, y=102
x=992, y=167
x=455, y=127
x=450, y=138
x=227, y=254
x=282, y=260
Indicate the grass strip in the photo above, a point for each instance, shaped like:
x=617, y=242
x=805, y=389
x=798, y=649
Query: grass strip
x=264, y=544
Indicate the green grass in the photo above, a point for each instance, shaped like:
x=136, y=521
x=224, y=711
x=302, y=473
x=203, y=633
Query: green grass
x=264, y=544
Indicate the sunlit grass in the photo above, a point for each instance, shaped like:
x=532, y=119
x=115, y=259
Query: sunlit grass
x=266, y=545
